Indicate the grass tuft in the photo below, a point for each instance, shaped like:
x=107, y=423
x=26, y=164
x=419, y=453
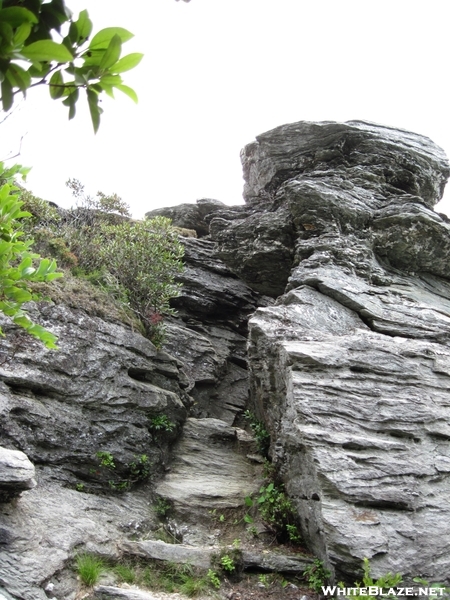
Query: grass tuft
x=125, y=573
x=89, y=568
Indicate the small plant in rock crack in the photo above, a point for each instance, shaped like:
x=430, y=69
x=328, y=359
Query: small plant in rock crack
x=139, y=468
x=227, y=563
x=216, y=517
x=213, y=579
x=162, y=507
x=277, y=511
x=161, y=423
x=106, y=460
x=316, y=575
x=262, y=436
x=385, y=581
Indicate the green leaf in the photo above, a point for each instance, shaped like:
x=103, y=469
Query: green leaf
x=248, y=501
x=6, y=34
x=112, y=53
x=127, y=62
x=71, y=101
x=84, y=26
x=18, y=77
x=128, y=92
x=22, y=33
x=47, y=50
x=7, y=95
x=56, y=85
x=94, y=109
x=111, y=79
x=16, y=15
x=44, y=336
x=102, y=39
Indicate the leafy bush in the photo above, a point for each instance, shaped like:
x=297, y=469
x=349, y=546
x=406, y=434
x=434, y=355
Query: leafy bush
x=277, y=511
x=161, y=423
x=227, y=563
x=136, y=262
x=19, y=266
x=144, y=257
x=162, y=507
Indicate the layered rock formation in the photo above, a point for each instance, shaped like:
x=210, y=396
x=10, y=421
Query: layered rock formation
x=341, y=265
x=81, y=419
x=350, y=368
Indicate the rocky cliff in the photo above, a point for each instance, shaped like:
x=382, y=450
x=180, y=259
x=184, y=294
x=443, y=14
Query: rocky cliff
x=350, y=368
x=323, y=304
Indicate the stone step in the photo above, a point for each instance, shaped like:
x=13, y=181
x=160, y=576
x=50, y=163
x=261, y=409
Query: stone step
x=209, y=471
x=106, y=592
x=200, y=556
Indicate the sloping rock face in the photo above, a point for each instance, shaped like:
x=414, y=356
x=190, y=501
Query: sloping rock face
x=99, y=393
x=209, y=337
x=351, y=367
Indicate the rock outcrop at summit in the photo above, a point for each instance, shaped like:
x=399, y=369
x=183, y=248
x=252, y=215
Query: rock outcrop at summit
x=351, y=366
x=327, y=296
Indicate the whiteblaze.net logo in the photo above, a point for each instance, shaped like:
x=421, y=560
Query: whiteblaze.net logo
x=334, y=590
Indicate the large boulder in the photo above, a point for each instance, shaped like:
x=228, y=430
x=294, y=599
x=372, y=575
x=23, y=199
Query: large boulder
x=350, y=368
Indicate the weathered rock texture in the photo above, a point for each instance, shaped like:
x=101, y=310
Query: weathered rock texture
x=100, y=393
x=351, y=367
x=16, y=474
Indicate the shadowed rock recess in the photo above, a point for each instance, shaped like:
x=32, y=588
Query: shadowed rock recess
x=322, y=305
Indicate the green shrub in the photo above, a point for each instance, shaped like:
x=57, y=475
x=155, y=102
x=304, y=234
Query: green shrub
x=139, y=468
x=162, y=507
x=19, y=265
x=161, y=423
x=106, y=460
x=277, y=511
x=213, y=579
x=144, y=257
x=89, y=568
x=316, y=575
x=134, y=261
x=385, y=581
x=262, y=436
x=227, y=563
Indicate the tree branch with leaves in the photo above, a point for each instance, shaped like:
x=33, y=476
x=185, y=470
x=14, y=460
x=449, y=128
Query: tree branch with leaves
x=30, y=56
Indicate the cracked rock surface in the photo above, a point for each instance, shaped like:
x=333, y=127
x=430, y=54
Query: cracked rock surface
x=351, y=366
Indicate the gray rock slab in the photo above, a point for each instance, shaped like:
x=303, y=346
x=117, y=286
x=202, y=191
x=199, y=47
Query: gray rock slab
x=200, y=556
x=97, y=393
x=177, y=553
x=276, y=562
x=208, y=472
x=350, y=367
x=16, y=473
x=42, y=532
x=105, y=592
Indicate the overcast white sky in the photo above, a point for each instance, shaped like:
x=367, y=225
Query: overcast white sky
x=216, y=73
